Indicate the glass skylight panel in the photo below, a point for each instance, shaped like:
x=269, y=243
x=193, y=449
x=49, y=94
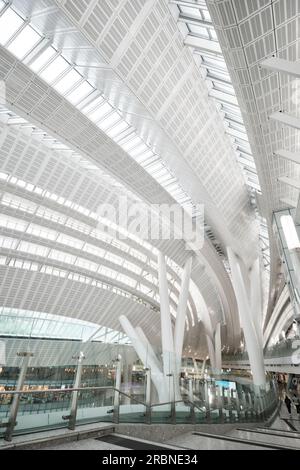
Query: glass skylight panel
x=132, y=143
x=42, y=232
x=246, y=162
x=92, y=105
x=138, y=150
x=94, y=250
x=229, y=116
x=189, y=11
x=54, y=69
x=164, y=177
x=224, y=97
x=118, y=129
x=86, y=264
x=213, y=34
x=32, y=248
x=67, y=82
x=43, y=59
x=8, y=243
x=100, y=112
x=237, y=127
x=218, y=75
x=70, y=241
x=24, y=42
x=114, y=258
x=145, y=156
x=248, y=157
x=126, y=280
x=224, y=87
x=107, y=272
x=112, y=119
x=198, y=30
x=125, y=135
x=10, y=23
x=214, y=63
x=154, y=167
x=238, y=134
x=206, y=15
x=81, y=92
x=16, y=121
x=61, y=256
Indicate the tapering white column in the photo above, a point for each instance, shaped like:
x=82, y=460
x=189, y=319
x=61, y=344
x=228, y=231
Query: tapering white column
x=168, y=352
x=181, y=312
x=256, y=299
x=211, y=352
x=293, y=243
x=157, y=376
x=254, y=349
x=197, y=371
x=203, y=368
x=295, y=258
x=218, y=347
x=150, y=352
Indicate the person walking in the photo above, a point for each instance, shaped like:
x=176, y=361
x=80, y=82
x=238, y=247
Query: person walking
x=296, y=402
x=288, y=404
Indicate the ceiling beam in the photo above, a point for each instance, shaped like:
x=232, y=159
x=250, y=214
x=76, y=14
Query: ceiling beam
x=297, y=213
x=203, y=44
x=195, y=21
x=281, y=65
x=288, y=155
x=288, y=202
x=289, y=181
x=286, y=119
x=190, y=4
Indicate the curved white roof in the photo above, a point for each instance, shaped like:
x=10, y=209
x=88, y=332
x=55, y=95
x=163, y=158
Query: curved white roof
x=135, y=100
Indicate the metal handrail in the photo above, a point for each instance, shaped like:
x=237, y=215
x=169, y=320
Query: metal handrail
x=70, y=390
x=56, y=390
x=250, y=406
x=167, y=403
x=131, y=397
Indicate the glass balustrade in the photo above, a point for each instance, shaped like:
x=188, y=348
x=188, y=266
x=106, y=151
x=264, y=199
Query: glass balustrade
x=203, y=401
x=284, y=348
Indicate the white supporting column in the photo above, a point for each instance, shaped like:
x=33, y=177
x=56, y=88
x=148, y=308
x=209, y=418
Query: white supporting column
x=197, y=372
x=295, y=257
x=157, y=376
x=203, y=368
x=211, y=352
x=168, y=353
x=150, y=352
x=127, y=380
x=256, y=300
x=293, y=243
x=254, y=348
x=77, y=383
x=218, y=347
x=165, y=315
x=118, y=379
x=181, y=312
x=148, y=396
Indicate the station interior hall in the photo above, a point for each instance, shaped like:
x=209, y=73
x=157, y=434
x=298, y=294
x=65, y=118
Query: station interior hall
x=149, y=225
